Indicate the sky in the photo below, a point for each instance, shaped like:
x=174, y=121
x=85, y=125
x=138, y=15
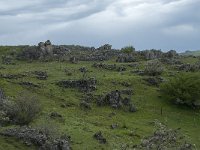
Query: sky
x=145, y=24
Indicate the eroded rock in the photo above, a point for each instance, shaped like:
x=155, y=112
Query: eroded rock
x=38, y=138
x=41, y=75
x=115, y=100
x=82, y=84
x=98, y=136
x=29, y=84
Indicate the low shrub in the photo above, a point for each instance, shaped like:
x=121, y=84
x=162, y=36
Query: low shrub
x=183, y=89
x=24, y=109
x=153, y=68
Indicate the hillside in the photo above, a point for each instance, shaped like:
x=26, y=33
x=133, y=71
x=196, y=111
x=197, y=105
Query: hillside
x=74, y=83
x=192, y=53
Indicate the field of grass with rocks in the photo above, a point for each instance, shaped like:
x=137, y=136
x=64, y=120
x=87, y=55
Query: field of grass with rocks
x=85, y=98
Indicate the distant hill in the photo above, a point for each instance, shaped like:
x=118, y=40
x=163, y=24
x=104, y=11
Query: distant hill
x=194, y=53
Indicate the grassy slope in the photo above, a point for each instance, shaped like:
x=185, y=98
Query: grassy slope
x=193, y=53
x=81, y=125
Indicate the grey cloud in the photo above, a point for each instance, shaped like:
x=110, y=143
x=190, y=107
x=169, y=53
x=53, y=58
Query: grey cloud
x=162, y=24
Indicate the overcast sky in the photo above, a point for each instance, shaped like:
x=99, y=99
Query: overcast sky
x=145, y=24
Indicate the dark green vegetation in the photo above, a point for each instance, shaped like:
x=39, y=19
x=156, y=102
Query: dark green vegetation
x=183, y=89
x=73, y=107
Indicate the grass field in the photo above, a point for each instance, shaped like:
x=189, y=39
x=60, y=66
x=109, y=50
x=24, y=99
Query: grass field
x=81, y=125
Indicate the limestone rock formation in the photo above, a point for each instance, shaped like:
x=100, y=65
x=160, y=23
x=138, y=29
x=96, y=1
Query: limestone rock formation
x=35, y=137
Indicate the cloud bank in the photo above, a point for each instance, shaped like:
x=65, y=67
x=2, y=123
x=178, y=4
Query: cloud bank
x=145, y=24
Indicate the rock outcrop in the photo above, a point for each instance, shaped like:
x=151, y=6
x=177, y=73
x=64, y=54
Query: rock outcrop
x=86, y=85
x=35, y=137
x=125, y=59
x=115, y=100
x=44, y=51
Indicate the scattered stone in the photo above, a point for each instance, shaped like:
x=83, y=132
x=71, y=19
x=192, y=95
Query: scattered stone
x=153, y=81
x=55, y=115
x=170, y=61
x=134, y=65
x=12, y=76
x=189, y=67
x=126, y=101
x=36, y=137
x=93, y=57
x=83, y=84
x=73, y=60
x=126, y=84
x=89, y=97
x=65, y=105
x=85, y=105
x=105, y=66
x=138, y=72
x=7, y=60
x=127, y=91
x=114, y=126
x=121, y=69
x=164, y=139
x=29, y=84
x=83, y=69
x=113, y=67
x=41, y=75
x=98, y=136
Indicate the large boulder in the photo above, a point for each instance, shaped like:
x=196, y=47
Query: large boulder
x=43, y=51
x=115, y=100
x=46, y=49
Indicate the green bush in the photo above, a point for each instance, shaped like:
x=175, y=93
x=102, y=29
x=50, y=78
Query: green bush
x=128, y=49
x=24, y=109
x=183, y=89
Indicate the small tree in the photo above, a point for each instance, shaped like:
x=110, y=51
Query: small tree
x=128, y=49
x=24, y=109
x=183, y=89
